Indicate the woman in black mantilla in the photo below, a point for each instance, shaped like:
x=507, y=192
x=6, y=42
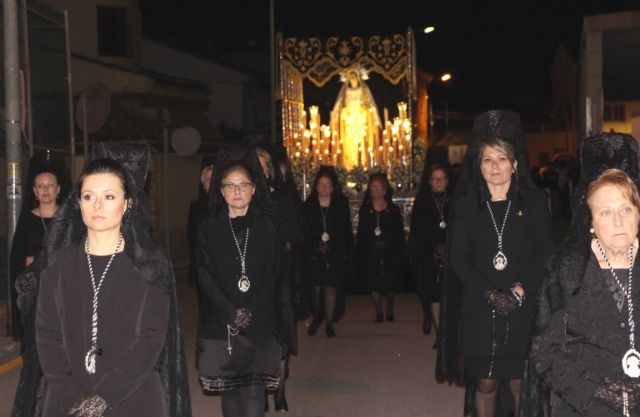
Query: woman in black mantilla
x=286, y=201
x=240, y=273
x=197, y=211
x=500, y=237
x=587, y=320
x=329, y=240
x=427, y=240
x=50, y=181
x=381, y=246
x=106, y=322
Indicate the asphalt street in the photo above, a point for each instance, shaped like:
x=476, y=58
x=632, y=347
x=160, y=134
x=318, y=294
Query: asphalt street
x=368, y=370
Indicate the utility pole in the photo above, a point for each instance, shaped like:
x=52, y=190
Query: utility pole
x=272, y=57
x=12, y=128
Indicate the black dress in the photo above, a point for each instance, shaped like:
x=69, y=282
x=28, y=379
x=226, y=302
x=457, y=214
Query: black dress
x=197, y=212
x=218, y=271
x=584, y=342
x=427, y=236
x=27, y=241
x=328, y=261
x=289, y=209
x=526, y=243
x=132, y=324
x=380, y=258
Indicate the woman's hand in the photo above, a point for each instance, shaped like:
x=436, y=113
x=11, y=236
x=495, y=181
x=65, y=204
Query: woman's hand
x=502, y=303
x=517, y=287
x=611, y=392
x=243, y=318
x=93, y=406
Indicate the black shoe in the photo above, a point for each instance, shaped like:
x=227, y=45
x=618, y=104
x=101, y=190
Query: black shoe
x=379, y=318
x=426, y=326
x=330, y=331
x=389, y=316
x=281, y=405
x=313, y=329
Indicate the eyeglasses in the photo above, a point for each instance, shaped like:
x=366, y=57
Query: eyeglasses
x=230, y=187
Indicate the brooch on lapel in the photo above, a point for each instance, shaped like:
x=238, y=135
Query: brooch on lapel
x=520, y=213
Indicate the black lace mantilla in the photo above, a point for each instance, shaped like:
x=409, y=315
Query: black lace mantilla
x=67, y=229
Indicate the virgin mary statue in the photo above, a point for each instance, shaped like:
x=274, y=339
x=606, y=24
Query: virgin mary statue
x=355, y=116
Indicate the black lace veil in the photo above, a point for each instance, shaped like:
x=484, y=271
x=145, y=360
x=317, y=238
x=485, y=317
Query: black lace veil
x=502, y=124
x=67, y=228
x=248, y=158
x=597, y=154
x=388, y=196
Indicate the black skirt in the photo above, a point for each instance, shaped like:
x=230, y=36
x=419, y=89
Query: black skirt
x=251, y=361
x=502, y=366
x=429, y=285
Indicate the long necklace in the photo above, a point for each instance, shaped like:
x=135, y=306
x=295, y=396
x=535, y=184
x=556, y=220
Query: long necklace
x=378, y=230
x=631, y=359
x=500, y=259
x=44, y=225
x=90, y=357
x=440, y=208
x=325, y=235
x=243, y=282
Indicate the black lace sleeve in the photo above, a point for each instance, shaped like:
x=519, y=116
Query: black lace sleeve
x=567, y=378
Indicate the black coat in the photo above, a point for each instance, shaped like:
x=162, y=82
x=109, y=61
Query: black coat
x=27, y=241
x=218, y=272
x=380, y=259
x=426, y=235
x=526, y=243
x=133, y=321
x=330, y=262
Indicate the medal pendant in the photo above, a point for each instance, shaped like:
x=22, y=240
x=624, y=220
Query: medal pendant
x=443, y=225
x=244, y=284
x=325, y=237
x=500, y=261
x=90, y=361
x=631, y=363
x=377, y=231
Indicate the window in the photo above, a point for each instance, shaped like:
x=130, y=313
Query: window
x=113, y=32
x=614, y=113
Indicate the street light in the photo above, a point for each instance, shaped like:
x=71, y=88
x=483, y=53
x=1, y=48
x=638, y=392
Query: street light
x=429, y=29
x=443, y=78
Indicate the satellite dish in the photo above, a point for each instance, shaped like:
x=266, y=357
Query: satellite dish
x=93, y=107
x=185, y=140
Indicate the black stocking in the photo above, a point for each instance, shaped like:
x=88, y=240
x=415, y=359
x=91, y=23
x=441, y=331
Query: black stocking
x=390, y=297
x=485, y=397
x=515, y=384
x=317, y=305
x=377, y=303
x=284, y=370
x=422, y=296
x=329, y=305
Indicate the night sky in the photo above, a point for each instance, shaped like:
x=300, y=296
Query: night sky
x=499, y=53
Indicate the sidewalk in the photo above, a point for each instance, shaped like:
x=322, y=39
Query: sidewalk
x=9, y=348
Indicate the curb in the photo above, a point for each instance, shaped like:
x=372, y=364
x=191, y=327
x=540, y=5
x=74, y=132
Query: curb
x=6, y=367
